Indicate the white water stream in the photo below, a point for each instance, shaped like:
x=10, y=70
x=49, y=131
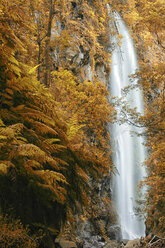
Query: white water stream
x=129, y=152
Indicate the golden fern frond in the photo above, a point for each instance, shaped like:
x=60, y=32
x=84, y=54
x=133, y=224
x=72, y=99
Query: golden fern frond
x=8, y=102
x=5, y=165
x=39, y=116
x=1, y=123
x=82, y=174
x=14, y=87
x=52, y=177
x=51, y=181
x=61, y=162
x=8, y=115
x=18, y=108
x=34, y=106
x=59, y=193
x=17, y=127
x=7, y=96
x=52, y=162
x=43, y=128
x=15, y=69
x=22, y=139
x=33, y=70
x=58, y=147
x=30, y=150
x=32, y=164
x=3, y=168
x=31, y=135
x=23, y=85
x=7, y=132
x=51, y=141
x=2, y=137
x=11, y=132
x=35, y=153
x=52, y=148
x=9, y=91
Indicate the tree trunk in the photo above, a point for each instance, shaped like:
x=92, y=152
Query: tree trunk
x=47, y=48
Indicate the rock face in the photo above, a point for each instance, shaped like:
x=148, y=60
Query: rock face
x=114, y=232
x=102, y=222
x=78, y=58
x=94, y=230
x=94, y=242
x=101, y=73
x=76, y=49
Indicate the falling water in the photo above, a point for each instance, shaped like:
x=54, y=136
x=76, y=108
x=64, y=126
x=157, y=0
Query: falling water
x=129, y=152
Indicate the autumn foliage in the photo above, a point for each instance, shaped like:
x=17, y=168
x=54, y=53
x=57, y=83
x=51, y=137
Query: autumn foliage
x=13, y=234
x=53, y=137
x=53, y=120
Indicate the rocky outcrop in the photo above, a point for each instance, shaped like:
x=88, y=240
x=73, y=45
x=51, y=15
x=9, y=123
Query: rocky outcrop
x=80, y=42
x=133, y=243
x=64, y=243
x=101, y=73
x=112, y=244
x=88, y=60
x=114, y=232
x=99, y=242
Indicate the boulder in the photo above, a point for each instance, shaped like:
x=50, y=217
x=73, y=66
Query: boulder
x=133, y=243
x=124, y=241
x=94, y=242
x=114, y=232
x=63, y=243
x=112, y=244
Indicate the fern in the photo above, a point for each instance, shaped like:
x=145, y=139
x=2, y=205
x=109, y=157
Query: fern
x=3, y=168
x=46, y=152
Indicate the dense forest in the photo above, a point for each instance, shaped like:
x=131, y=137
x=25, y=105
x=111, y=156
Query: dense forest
x=55, y=110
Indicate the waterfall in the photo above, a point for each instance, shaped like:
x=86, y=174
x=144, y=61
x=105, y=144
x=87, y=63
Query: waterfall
x=129, y=152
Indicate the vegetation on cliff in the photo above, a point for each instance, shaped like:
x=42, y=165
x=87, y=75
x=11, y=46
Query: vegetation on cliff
x=53, y=137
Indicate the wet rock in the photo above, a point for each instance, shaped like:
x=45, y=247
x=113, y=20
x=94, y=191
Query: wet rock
x=101, y=73
x=112, y=244
x=85, y=229
x=133, y=243
x=63, y=243
x=88, y=72
x=94, y=242
x=114, y=232
x=124, y=241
